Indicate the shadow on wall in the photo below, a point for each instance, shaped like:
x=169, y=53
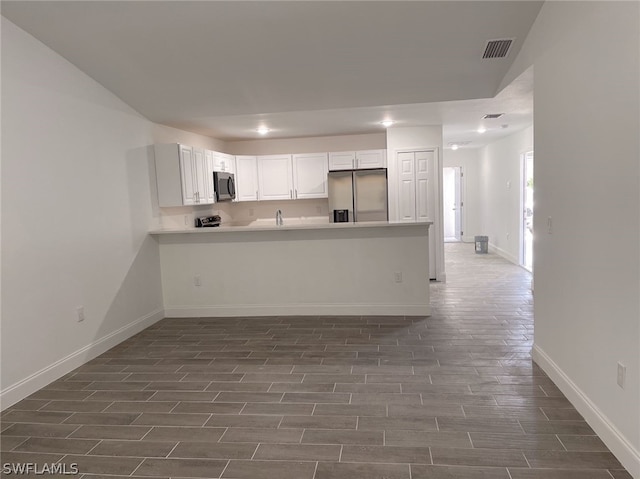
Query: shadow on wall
x=139, y=297
x=142, y=191
x=136, y=305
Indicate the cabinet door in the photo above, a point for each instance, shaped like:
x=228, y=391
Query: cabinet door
x=229, y=163
x=371, y=159
x=407, y=188
x=424, y=203
x=209, y=162
x=200, y=169
x=342, y=160
x=310, y=175
x=246, y=178
x=188, y=175
x=274, y=177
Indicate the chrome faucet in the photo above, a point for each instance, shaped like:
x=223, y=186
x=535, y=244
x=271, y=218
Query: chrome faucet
x=279, y=218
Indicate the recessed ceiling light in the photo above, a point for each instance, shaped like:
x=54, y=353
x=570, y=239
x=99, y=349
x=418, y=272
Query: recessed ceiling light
x=481, y=130
x=454, y=147
x=263, y=130
x=387, y=123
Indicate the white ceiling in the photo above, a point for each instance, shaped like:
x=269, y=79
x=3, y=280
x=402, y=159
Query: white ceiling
x=304, y=68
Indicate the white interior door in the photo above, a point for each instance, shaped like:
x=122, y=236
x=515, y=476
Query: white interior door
x=417, y=195
x=407, y=189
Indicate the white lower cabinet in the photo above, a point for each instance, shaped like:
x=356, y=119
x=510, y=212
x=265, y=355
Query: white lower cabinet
x=181, y=175
x=274, y=177
x=310, y=175
x=246, y=178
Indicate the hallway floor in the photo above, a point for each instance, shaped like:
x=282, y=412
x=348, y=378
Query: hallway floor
x=454, y=395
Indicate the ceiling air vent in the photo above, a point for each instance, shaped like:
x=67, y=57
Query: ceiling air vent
x=492, y=116
x=497, y=48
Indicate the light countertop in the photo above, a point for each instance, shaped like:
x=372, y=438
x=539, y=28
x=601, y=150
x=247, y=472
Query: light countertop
x=291, y=225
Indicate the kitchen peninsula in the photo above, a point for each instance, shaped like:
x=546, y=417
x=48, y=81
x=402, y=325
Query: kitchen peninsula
x=302, y=268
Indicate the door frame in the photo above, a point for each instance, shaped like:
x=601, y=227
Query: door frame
x=521, y=221
x=459, y=205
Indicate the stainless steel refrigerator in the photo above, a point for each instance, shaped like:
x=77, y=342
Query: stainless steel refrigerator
x=358, y=195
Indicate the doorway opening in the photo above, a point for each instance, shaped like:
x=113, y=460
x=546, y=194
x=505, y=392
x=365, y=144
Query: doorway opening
x=526, y=256
x=452, y=204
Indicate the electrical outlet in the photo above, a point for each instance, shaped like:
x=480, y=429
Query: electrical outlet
x=197, y=281
x=80, y=312
x=397, y=276
x=186, y=220
x=508, y=235
x=622, y=375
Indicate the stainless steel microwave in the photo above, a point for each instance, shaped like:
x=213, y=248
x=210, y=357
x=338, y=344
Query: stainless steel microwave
x=224, y=186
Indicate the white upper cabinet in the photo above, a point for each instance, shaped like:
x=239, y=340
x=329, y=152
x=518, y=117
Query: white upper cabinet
x=371, y=159
x=310, y=175
x=181, y=175
x=274, y=177
x=223, y=162
x=203, y=184
x=188, y=176
x=349, y=160
x=342, y=160
x=209, y=164
x=246, y=178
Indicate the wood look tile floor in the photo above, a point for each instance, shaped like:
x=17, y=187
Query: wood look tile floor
x=454, y=395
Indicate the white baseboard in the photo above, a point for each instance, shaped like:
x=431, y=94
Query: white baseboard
x=610, y=435
x=39, y=379
x=504, y=254
x=297, y=310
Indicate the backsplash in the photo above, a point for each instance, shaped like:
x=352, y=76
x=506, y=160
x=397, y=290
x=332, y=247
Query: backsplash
x=244, y=212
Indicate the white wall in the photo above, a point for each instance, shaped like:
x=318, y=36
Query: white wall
x=76, y=208
x=469, y=160
x=415, y=138
x=275, y=146
x=587, y=272
x=500, y=192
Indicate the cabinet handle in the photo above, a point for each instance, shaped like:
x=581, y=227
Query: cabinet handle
x=291, y=194
x=256, y=194
x=296, y=192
